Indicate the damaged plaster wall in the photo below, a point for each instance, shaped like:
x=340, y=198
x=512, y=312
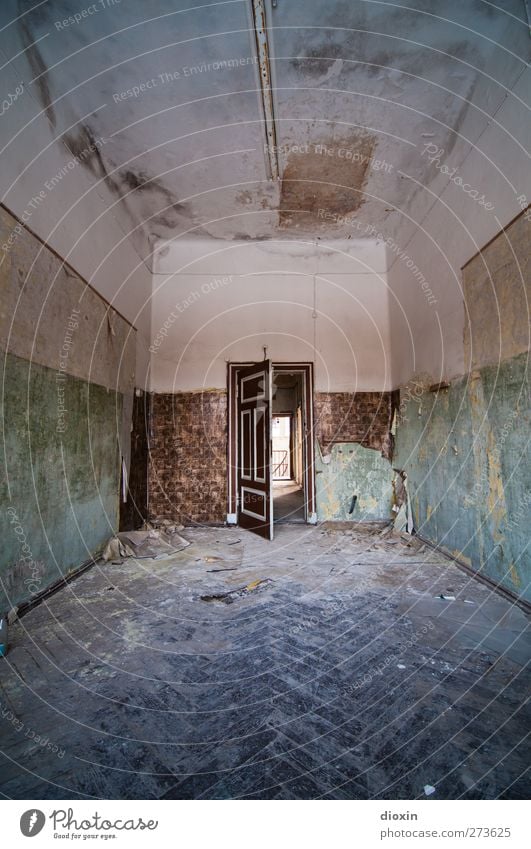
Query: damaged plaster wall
x=188, y=456
x=68, y=365
x=353, y=454
x=324, y=303
x=466, y=454
x=310, y=302
x=466, y=448
x=349, y=472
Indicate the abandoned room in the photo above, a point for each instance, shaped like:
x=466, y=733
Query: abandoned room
x=266, y=492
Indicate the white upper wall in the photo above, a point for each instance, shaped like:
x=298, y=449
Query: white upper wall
x=305, y=301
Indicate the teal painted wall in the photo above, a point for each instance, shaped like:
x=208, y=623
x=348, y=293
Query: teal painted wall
x=466, y=453
x=354, y=470
x=59, y=492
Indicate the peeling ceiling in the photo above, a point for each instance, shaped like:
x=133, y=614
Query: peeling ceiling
x=162, y=103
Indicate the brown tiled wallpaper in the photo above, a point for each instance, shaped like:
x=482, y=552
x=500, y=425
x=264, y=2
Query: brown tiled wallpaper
x=188, y=446
x=363, y=417
x=188, y=457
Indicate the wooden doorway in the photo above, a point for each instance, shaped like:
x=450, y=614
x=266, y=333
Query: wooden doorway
x=254, y=393
x=242, y=437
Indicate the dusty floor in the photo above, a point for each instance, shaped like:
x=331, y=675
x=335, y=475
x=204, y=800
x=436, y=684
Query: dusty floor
x=288, y=502
x=343, y=675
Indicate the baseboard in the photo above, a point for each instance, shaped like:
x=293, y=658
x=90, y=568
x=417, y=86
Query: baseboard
x=26, y=606
x=508, y=595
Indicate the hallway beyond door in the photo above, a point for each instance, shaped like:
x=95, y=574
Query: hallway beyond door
x=288, y=502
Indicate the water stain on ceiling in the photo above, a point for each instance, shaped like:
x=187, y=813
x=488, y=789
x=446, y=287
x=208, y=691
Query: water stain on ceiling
x=328, y=175
x=38, y=68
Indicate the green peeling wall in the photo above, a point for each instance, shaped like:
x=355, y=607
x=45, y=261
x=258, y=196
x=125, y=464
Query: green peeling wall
x=354, y=470
x=59, y=495
x=466, y=454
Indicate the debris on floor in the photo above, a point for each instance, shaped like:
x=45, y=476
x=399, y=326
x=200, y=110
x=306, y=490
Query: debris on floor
x=231, y=595
x=400, y=522
x=116, y=549
x=300, y=653
x=145, y=544
x=429, y=790
x=165, y=525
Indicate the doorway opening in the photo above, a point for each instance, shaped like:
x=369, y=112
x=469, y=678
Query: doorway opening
x=281, y=436
x=270, y=445
x=287, y=447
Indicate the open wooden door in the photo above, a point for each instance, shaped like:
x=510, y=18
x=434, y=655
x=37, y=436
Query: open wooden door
x=255, y=499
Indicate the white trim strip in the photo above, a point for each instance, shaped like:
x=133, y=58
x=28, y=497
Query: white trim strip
x=250, y=512
x=262, y=396
x=264, y=455
x=248, y=477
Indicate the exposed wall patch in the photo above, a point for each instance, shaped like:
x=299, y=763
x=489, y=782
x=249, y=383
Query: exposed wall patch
x=327, y=175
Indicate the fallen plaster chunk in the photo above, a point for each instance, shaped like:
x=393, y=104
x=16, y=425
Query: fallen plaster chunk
x=400, y=523
x=143, y=544
x=115, y=549
x=428, y=789
x=401, y=666
x=446, y=597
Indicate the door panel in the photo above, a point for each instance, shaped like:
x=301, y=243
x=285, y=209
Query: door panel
x=254, y=469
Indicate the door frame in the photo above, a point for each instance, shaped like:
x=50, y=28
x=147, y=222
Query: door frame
x=306, y=369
